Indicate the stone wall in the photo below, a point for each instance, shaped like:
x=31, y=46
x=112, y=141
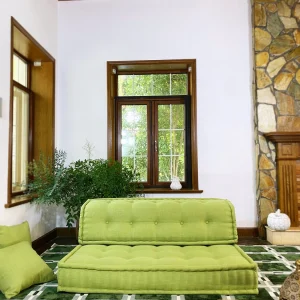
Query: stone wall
x=276, y=40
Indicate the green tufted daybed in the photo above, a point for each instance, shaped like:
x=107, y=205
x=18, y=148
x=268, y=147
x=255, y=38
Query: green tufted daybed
x=159, y=246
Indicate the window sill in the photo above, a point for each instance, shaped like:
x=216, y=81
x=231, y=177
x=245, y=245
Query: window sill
x=169, y=191
x=19, y=200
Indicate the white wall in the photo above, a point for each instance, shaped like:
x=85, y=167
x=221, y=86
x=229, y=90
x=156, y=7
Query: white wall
x=217, y=33
x=39, y=18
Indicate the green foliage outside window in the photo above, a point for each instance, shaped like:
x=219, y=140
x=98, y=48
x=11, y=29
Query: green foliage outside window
x=152, y=85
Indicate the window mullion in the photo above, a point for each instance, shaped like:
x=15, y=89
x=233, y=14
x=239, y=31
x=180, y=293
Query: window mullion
x=21, y=87
x=154, y=144
x=118, y=125
x=188, y=147
x=31, y=127
x=171, y=142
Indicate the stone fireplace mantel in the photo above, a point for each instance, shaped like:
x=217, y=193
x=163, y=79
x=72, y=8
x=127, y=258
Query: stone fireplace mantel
x=288, y=172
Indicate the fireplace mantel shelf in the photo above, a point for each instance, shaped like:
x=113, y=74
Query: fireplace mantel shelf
x=283, y=136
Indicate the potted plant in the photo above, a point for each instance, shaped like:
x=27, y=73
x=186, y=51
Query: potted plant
x=54, y=182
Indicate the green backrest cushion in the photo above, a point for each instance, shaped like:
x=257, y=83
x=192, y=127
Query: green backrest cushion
x=21, y=267
x=160, y=221
x=10, y=235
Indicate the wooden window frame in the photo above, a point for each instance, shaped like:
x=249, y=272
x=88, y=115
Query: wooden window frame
x=188, y=66
x=152, y=103
x=30, y=127
x=41, y=83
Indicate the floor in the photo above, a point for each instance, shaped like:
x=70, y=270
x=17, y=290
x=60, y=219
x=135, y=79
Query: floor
x=58, y=241
x=252, y=241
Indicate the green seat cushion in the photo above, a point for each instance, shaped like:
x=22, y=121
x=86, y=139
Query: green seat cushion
x=21, y=267
x=157, y=221
x=10, y=235
x=217, y=269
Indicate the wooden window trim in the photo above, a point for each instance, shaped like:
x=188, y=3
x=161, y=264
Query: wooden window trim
x=151, y=102
x=28, y=49
x=119, y=67
x=27, y=90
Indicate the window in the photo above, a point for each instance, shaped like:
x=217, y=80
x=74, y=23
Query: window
x=31, y=125
x=152, y=108
x=22, y=125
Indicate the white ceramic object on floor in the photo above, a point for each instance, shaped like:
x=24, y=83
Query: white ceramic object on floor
x=278, y=221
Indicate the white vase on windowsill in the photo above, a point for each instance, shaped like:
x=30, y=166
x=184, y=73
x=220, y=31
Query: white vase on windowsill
x=175, y=184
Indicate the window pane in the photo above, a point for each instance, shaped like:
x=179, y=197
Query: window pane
x=171, y=142
x=134, y=139
x=141, y=85
x=164, y=116
x=20, y=140
x=161, y=85
x=179, y=84
x=20, y=71
x=164, y=168
x=141, y=163
x=152, y=85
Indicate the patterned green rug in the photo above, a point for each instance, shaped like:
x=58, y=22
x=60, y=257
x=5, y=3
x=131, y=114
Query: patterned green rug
x=275, y=264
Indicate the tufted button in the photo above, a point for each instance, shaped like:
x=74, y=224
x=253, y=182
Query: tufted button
x=106, y=222
x=131, y=223
x=206, y=222
x=181, y=223
x=155, y=223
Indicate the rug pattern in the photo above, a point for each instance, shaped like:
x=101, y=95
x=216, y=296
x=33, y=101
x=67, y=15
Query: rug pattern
x=275, y=264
